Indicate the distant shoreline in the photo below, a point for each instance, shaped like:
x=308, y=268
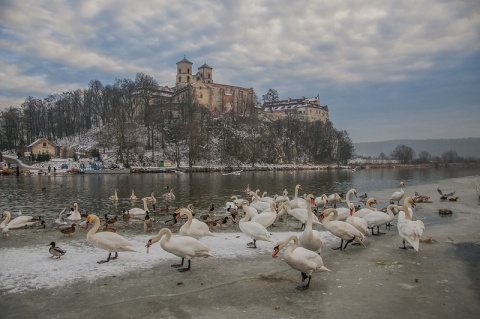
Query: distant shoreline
x=237, y=170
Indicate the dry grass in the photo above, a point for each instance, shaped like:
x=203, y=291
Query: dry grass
x=428, y=240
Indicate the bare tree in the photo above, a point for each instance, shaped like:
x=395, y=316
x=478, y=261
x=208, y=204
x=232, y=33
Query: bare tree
x=403, y=153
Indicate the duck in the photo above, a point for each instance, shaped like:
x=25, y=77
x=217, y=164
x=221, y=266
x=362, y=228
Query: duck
x=68, y=230
x=453, y=199
x=75, y=215
x=192, y=227
x=17, y=222
x=444, y=196
x=368, y=209
x=421, y=198
x=357, y=222
x=212, y=207
x=185, y=247
x=344, y=212
x=110, y=228
x=345, y=231
x=310, y=238
x=363, y=198
x=126, y=215
x=111, y=242
x=378, y=218
x=114, y=197
x=254, y=230
x=56, y=251
x=301, y=259
x=397, y=196
x=111, y=221
x=60, y=220
x=147, y=223
x=169, y=196
x=133, y=197
x=409, y=230
x=267, y=217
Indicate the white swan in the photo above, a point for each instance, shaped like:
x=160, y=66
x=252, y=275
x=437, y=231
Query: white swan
x=344, y=212
x=299, y=214
x=138, y=211
x=114, y=197
x=297, y=202
x=185, y=247
x=267, y=199
x=192, y=227
x=236, y=201
x=169, y=196
x=152, y=198
x=301, y=259
x=397, y=196
x=357, y=222
x=133, y=197
x=311, y=239
x=334, y=198
x=283, y=197
x=254, y=230
x=109, y=241
x=379, y=218
x=267, y=217
x=411, y=231
x=321, y=201
x=408, y=205
x=256, y=203
x=252, y=211
x=17, y=222
x=346, y=232
x=368, y=209
x=60, y=220
x=75, y=215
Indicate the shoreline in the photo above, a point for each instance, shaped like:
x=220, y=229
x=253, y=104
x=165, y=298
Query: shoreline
x=237, y=170
x=378, y=281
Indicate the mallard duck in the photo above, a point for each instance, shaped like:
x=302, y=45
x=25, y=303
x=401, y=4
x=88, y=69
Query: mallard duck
x=56, y=251
x=147, y=223
x=111, y=220
x=453, y=199
x=68, y=230
x=107, y=227
x=126, y=215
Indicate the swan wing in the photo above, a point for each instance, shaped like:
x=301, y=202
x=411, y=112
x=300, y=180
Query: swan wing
x=112, y=242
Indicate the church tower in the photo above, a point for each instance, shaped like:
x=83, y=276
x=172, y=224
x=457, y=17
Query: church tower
x=205, y=74
x=184, y=73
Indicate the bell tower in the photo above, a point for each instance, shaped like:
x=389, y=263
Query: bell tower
x=205, y=72
x=184, y=73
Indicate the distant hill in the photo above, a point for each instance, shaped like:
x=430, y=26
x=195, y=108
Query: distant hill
x=465, y=147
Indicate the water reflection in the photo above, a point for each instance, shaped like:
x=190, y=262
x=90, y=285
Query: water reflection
x=48, y=195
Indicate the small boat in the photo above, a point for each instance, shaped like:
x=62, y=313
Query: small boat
x=233, y=173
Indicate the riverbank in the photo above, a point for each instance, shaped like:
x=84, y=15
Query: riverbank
x=378, y=281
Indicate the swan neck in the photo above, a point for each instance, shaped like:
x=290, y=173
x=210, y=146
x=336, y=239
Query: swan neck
x=96, y=226
x=347, y=197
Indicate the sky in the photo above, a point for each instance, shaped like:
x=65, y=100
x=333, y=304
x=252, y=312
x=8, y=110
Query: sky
x=80, y=261
x=386, y=69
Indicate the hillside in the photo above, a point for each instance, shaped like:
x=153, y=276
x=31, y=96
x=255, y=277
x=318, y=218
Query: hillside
x=465, y=147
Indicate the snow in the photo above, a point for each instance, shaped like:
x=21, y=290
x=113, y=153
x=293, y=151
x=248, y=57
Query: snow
x=31, y=267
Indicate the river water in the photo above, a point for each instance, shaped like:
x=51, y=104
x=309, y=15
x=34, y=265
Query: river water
x=48, y=195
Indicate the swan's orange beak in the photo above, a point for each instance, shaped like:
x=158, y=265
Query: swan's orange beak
x=275, y=252
x=149, y=243
x=321, y=217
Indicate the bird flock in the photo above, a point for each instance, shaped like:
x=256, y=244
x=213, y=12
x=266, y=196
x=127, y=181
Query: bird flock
x=255, y=215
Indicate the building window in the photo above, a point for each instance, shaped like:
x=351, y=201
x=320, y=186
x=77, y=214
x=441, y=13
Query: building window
x=188, y=79
x=188, y=70
x=44, y=144
x=179, y=71
x=209, y=75
x=179, y=79
x=198, y=78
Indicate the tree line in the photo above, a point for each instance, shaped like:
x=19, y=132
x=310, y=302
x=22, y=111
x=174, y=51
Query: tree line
x=131, y=117
x=405, y=154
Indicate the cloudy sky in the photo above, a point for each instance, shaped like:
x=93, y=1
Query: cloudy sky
x=386, y=69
